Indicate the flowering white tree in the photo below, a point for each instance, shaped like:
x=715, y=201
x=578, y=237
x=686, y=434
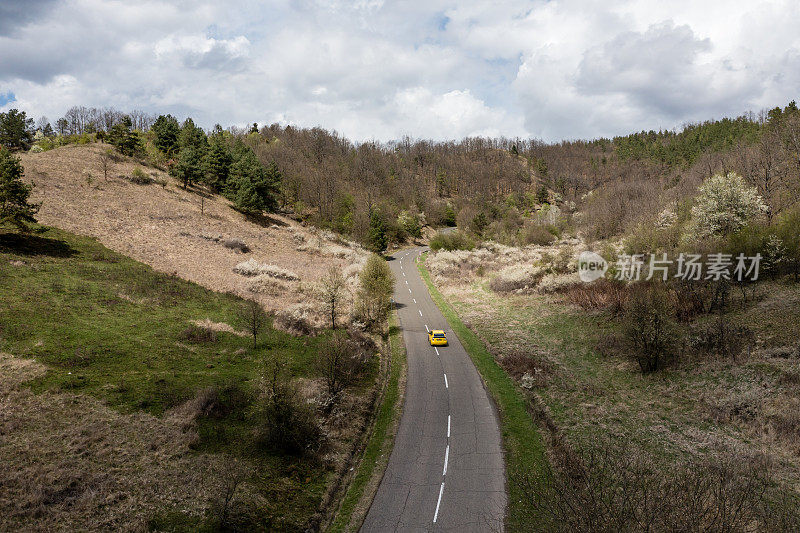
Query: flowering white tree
x=725, y=204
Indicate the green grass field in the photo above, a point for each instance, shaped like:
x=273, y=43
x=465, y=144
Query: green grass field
x=113, y=328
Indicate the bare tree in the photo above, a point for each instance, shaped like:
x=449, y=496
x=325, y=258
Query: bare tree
x=333, y=287
x=106, y=158
x=253, y=318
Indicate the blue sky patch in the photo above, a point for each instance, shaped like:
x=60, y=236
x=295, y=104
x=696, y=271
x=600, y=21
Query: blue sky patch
x=7, y=97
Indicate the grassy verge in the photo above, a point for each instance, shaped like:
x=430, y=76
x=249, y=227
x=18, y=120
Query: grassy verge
x=112, y=328
x=376, y=454
x=524, y=447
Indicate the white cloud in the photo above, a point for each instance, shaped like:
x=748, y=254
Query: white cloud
x=374, y=69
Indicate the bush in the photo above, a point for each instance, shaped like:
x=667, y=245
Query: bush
x=340, y=361
x=516, y=278
x=453, y=240
x=725, y=205
x=600, y=294
x=251, y=268
x=198, y=334
x=535, y=234
x=139, y=177
x=289, y=424
x=236, y=244
x=649, y=329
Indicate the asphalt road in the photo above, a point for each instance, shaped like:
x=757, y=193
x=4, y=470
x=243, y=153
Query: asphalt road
x=446, y=470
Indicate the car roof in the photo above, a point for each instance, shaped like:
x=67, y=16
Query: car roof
x=437, y=331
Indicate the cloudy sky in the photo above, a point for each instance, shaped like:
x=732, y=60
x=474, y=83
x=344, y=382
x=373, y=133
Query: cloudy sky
x=374, y=69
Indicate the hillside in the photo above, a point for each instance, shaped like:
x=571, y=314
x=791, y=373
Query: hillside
x=184, y=231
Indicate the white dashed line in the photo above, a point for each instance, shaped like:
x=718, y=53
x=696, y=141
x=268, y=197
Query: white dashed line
x=438, y=502
x=426, y=328
x=446, y=386
x=420, y=313
x=415, y=300
x=409, y=291
x=448, y=426
x=446, y=457
x=437, y=350
x=404, y=274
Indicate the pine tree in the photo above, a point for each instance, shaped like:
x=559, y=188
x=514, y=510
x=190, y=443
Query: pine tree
x=252, y=187
x=16, y=130
x=192, y=136
x=124, y=138
x=166, y=132
x=218, y=160
x=14, y=206
x=189, y=167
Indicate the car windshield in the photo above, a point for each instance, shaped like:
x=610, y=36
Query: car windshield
x=438, y=335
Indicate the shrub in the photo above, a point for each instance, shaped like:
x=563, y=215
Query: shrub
x=648, y=327
x=516, y=278
x=614, y=488
x=725, y=205
x=198, y=334
x=340, y=361
x=453, y=240
x=251, y=267
x=722, y=339
x=289, y=424
x=139, y=177
x=236, y=244
x=263, y=284
x=535, y=234
x=600, y=294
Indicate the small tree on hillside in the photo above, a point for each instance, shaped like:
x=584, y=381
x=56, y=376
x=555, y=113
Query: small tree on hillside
x=124, y=138
x=189, y=167
x=725, y=205
x=253, y=318
x=376, y=236
x=106, y=159
x=14, y=206
x=16, y=130
x=333, y=287
x=376, y=284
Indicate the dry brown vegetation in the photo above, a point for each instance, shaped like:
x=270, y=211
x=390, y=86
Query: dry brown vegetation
x=710, y=443
x=71, y=463
x=191, y=233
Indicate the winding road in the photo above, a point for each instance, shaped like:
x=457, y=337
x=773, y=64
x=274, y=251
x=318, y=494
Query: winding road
x=446, y=470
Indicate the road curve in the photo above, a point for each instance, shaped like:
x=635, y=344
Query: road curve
x=446, y=470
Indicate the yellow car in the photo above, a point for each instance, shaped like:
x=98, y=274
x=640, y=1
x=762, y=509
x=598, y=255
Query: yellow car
x=437, y=338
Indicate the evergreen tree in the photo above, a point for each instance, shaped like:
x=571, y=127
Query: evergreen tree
x=192, y=136
x=124, y=139
x=252, y=187
x=14, y=193
x=16, y=130
x=542, y=194
x=218, y=160
x=166, y=132
x=376, y=236
x=189, y=167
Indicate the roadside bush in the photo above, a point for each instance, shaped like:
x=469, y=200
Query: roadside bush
x=648, y=327
x=719, y=338
x=454, y=240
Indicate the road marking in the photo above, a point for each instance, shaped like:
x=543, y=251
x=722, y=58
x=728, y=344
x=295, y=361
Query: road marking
x=426, y=328
x=404, y=274
x=420, y=312
x=406, y=282
x=448, y=426
x=437, y=350
x=438, y=502
x=409, y=291
x=446, y=456
x=446, y=386
x=415, y=300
